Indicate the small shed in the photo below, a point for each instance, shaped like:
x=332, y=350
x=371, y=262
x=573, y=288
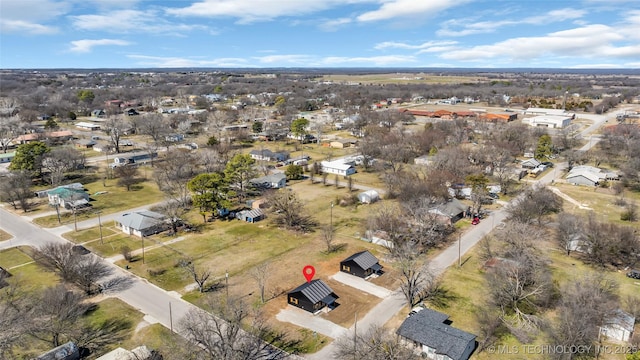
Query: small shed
x=253, y=215
x=368, y=197
x=312, y=296
x=361, y=264
x=619, y=326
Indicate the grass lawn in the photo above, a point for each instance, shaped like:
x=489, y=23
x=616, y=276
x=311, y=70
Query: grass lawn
x=89, y=234
x=115, y=199
x=601, y=201
x=14, y=257
x=5, y=235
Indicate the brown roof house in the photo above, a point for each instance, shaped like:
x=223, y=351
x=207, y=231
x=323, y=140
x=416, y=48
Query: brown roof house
x=313, y=296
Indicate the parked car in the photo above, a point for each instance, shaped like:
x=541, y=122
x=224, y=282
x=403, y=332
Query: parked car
x=494, y=196
x=475, y=221
x=634, y=274
x=548, y=164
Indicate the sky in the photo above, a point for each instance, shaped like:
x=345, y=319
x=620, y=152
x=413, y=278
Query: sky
x=596, y=34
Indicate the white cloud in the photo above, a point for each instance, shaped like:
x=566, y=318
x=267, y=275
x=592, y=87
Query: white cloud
x=20, y=26
x=390, y=60
x=424, y=46
x=177, y=62
x=334, y=24
x=280, y=60
x=86, y=45
x=392, y=9
x=249, y=11
x=27, y=17
x=129, y=20
x=592, y=41
x=469, y=27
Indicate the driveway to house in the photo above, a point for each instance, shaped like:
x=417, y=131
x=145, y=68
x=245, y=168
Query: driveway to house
x=309, y=321
x=361, y=284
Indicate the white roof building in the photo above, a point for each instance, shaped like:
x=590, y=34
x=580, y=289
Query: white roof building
x=551, y=121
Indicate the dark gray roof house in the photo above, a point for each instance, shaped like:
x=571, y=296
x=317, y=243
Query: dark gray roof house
x=428, y=331
x=361, y=264
x=312, y=296
x=452, y=210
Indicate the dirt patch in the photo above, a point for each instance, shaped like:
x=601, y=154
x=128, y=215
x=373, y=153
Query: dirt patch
x=352, y=302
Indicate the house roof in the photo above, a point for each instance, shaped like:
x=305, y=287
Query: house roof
x=451, y=208
x=316, y=291
x=271, y=178
x=364, y=259
x=68, y=193
x=585, y=174
x=530, y=162
x=140, y=220
x=339, y=165
x=427, y=327
x=253, y=213
x=622, y=319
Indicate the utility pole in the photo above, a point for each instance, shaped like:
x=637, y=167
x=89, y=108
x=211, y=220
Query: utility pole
x=75, y=219
x=459, y=250
x=226, y=282
x=100, y=226
x=170, y=317
x=355, y=337
x=142, y=248
x=331, y=221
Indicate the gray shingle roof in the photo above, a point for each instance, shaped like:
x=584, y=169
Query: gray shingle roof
x=364, y=259
x=316, y=290
x=141, y=220
x=427, y=327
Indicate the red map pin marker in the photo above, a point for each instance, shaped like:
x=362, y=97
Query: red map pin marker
x=308, y=272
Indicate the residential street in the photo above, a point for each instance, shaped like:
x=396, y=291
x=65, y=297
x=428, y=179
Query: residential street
x=156, y=303
x=140, y=294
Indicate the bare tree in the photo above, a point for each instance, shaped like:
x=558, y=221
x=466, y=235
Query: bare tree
x=58, y=312
x=200, y=277
x=115, y=127
x=586, y=301
x=260, y=273
x=534, y=204
x=73, y=266
x=417, y=282
x=173, y=174
x=16, y=317
x=16, y=190
x=126, y=175
x=60, y=160
x=570, y=229
x=10, y=129
x=290, y=212
x=220, y=334
x=376, y=343
x=328, y=233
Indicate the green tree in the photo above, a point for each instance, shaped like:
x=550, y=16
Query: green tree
x=299, y=128
x=29, y=157
x=217, y=89
x=209, y=192
x=238, y=172
x=212, y=141
x=257, y=127
x=544, y=148
x=478, y=184
x=293, y=172
x=86, y=96
x=51, y=124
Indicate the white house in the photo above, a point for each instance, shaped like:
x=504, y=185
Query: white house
x=337, y=167
x=87, y=126
x=545, y=111
x=142, y=223
x=530, y=163
x=589, y=175
x=619, y=326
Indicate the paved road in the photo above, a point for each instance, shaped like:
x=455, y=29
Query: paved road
x=391, y=305
x=140, y=294
x=307, y=320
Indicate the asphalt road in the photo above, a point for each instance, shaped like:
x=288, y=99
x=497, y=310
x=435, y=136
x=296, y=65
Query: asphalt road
x=140, y=294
